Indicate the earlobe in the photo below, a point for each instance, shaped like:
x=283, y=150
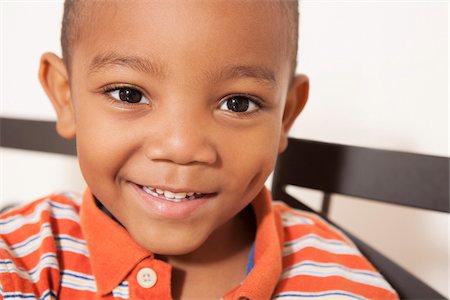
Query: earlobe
x=54, y=79
x=295, y=102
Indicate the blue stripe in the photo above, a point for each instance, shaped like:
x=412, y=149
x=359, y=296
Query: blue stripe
x=83, y=250
x=35, y=211
x=60, y=238
x=119, y=294
x=20, y=296
x=73, y=249
x=78, y=287
x=62, y=206
x=251, y=259
x=333, y=266
x=37, y=236
x=77, y=276
x=44, y=265
x=39, y=267
x=316, y=237
x=8, y=261
x=29, y=296
x=10, y=220
x=315, y=295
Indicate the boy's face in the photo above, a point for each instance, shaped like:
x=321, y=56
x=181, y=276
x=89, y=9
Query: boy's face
x=210, y=80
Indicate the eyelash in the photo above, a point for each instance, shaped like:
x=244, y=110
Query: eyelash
x=255, y=100
x=107, y=90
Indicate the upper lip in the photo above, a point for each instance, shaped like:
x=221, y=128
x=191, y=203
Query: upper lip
x=177, y=189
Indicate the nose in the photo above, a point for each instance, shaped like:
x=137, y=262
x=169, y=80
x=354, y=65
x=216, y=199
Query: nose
x=182, y=138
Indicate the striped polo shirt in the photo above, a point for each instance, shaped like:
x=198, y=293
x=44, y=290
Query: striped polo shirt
x=65, y=247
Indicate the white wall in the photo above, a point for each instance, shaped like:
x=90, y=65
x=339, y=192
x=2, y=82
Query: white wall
x=28, y=29
x=379, y=78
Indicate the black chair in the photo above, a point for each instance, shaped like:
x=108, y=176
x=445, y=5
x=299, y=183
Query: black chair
x=401, y=178
x=34, y=135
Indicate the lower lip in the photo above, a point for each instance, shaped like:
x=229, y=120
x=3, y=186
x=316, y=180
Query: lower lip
x=168, y=209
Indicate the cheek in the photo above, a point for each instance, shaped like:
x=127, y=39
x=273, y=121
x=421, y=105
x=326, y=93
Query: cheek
x=252, y=155
x=103, y=146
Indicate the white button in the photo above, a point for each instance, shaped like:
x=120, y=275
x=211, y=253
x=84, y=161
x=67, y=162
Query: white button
x=146, y=278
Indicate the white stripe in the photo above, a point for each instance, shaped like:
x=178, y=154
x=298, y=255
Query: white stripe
x=310, y=268
x=74, y=196
x=47, y=260
x=315, y=241
x=121, y=291
x=48, y=294
x=30, y=244
x=78, y=281
x=67, y=243
x=330, y=227
x=33, y=243
x=56, y=210
x=334, y=294
x=290, y=219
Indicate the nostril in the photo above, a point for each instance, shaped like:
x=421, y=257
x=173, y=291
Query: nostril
x=181, y=153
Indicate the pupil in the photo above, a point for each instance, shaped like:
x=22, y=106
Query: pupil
x=130, y=95
x=238, y=104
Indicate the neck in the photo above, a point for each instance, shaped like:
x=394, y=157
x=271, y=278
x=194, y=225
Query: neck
x=240, y=230
x=220, y=263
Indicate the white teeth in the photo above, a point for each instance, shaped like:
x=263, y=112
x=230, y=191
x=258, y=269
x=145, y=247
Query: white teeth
x=180, y=195
x=147, y=190
x=169, y=195
x=173, y=197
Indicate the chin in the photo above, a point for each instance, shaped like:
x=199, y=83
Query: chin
x=172, y=246
x=174, y=250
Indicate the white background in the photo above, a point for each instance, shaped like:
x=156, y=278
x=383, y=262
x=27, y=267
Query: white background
x=379, y=74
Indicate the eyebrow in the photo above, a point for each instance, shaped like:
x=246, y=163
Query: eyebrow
x=140, y=64
x=145, y=65
x=259, y=73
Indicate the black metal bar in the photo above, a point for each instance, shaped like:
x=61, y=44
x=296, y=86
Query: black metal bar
x=326, y=202
x=34, y=135
x=420, y=180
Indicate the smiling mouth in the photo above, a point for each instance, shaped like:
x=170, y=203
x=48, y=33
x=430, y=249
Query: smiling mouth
x=171, y=196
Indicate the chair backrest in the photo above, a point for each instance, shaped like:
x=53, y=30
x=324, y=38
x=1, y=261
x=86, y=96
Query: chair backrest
x=389, y=176
x=420, y=180
x=34, y=135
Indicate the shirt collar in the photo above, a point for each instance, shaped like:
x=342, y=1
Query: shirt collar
x=105, y=238
x=262, y=280
x=109, y=269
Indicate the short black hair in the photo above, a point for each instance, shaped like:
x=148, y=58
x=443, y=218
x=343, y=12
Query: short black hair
x=75, y=13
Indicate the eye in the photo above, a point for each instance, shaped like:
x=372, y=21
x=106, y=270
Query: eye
x=239, y=104
x=128, y=95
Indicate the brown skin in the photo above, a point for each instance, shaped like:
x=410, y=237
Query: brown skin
x=184, y=135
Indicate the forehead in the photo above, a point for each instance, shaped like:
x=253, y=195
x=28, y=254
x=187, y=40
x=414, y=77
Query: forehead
x=188, y=34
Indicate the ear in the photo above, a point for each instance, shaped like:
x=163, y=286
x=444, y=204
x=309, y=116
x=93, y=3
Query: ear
x=295, y=102
x=55, y=81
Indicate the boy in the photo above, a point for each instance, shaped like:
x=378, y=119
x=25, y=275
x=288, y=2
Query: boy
x=179, y=109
